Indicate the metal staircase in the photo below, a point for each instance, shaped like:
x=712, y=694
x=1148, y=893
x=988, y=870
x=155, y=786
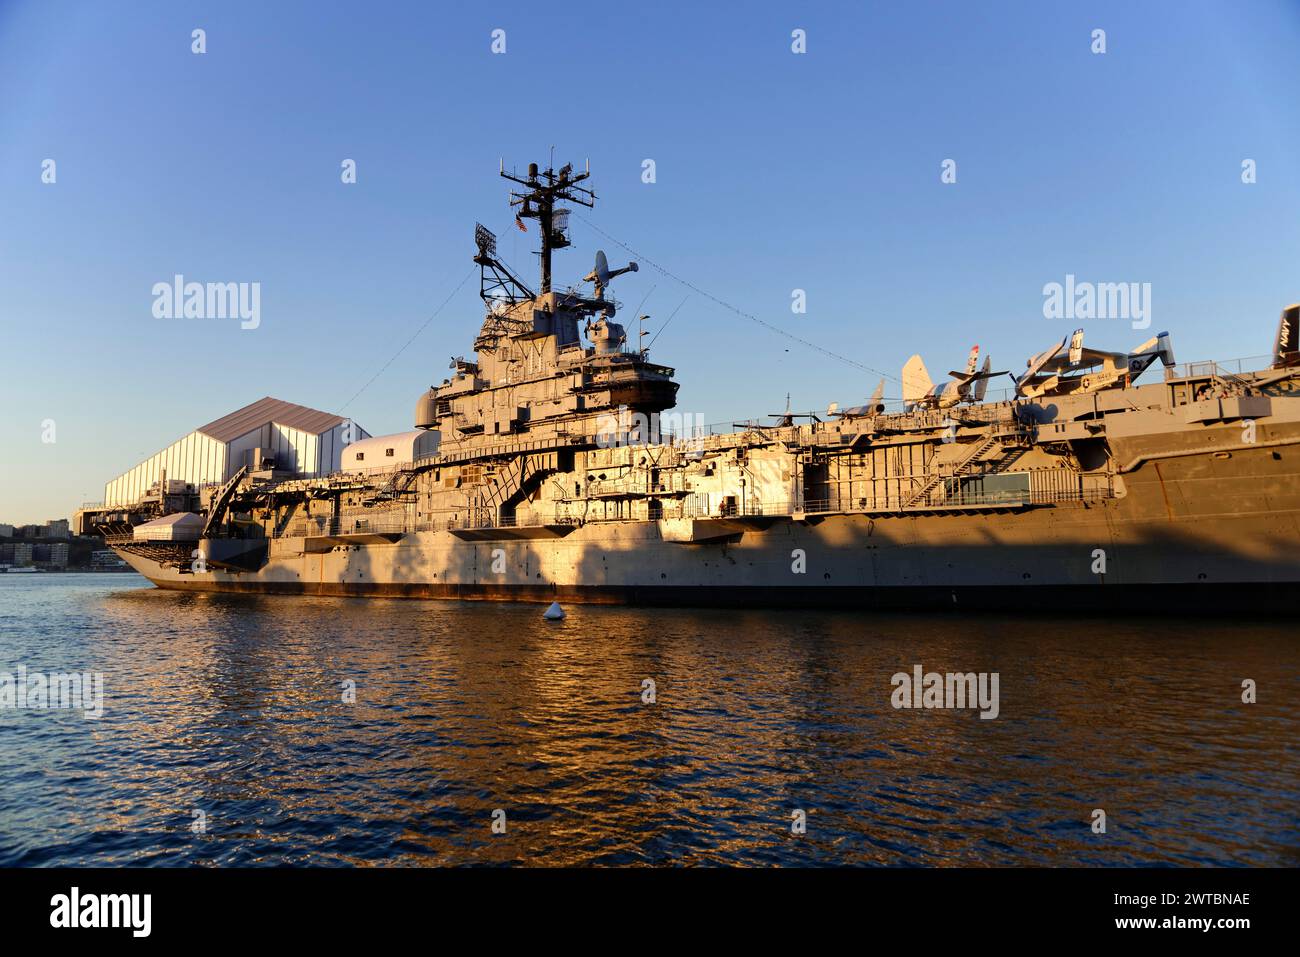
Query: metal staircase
x=922, y=495
x=510, y=482
x=1009, y=458
x=400, y=484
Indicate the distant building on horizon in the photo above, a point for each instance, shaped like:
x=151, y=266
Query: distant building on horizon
x=53, y=555
x=54, y=528
x=105, y=558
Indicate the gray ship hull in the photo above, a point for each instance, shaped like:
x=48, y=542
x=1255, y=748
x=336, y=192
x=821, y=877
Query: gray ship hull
x=551, y=467
x=1196, y=532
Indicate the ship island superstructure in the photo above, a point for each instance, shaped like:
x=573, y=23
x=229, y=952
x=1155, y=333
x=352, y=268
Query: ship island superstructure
x=551, y=466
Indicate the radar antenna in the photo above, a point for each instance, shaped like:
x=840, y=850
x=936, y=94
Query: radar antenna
x=541, y=190
x=601, y=274
x=497, y=284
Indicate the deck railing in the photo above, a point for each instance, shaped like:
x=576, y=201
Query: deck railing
x=1043, y=487
x=1225, y=368
x=345, y=525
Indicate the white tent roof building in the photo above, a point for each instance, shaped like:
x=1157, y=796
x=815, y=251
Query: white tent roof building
x=299, y=439
x=177, y=527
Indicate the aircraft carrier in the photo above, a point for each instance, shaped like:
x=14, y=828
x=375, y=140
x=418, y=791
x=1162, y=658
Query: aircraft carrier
x=551, y=467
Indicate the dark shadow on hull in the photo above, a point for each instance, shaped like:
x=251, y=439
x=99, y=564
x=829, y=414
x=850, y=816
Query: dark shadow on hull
x=1228, y=600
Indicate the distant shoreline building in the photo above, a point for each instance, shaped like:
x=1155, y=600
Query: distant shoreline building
x=21, y=554
x=105, y=559
x=50, y=546
x=54, y=528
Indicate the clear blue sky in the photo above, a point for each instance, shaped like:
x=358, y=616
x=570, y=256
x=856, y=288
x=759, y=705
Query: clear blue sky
x=775, y=171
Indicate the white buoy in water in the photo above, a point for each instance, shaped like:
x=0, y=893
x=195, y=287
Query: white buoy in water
x=554, y=613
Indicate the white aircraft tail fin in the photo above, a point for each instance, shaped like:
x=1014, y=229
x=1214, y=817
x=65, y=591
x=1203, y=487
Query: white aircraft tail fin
x=1159, y=344
x=916, y=381
x=1166, y=349
x=982, y=385
x=1287, y=343
x=876, y=404
x=974, y=359
x=1076, y=347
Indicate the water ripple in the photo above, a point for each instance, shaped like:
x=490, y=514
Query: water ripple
x=234, y=706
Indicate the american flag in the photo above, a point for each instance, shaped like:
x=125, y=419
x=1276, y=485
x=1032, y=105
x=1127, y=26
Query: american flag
x=523, y=227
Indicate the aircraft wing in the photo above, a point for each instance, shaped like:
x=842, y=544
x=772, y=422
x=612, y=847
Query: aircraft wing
x=1039, y=363
x=1092, y=357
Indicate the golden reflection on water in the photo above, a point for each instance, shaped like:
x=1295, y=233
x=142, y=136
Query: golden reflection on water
x=234, y=705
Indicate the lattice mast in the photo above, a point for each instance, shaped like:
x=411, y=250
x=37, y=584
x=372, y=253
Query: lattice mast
x=541, y=190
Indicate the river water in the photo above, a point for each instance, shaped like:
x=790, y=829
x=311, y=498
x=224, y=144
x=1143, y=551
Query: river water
x=767, y=737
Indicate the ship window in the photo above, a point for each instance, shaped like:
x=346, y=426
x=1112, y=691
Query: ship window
x=992, y=489
x=388, y=452
x=361, y=456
